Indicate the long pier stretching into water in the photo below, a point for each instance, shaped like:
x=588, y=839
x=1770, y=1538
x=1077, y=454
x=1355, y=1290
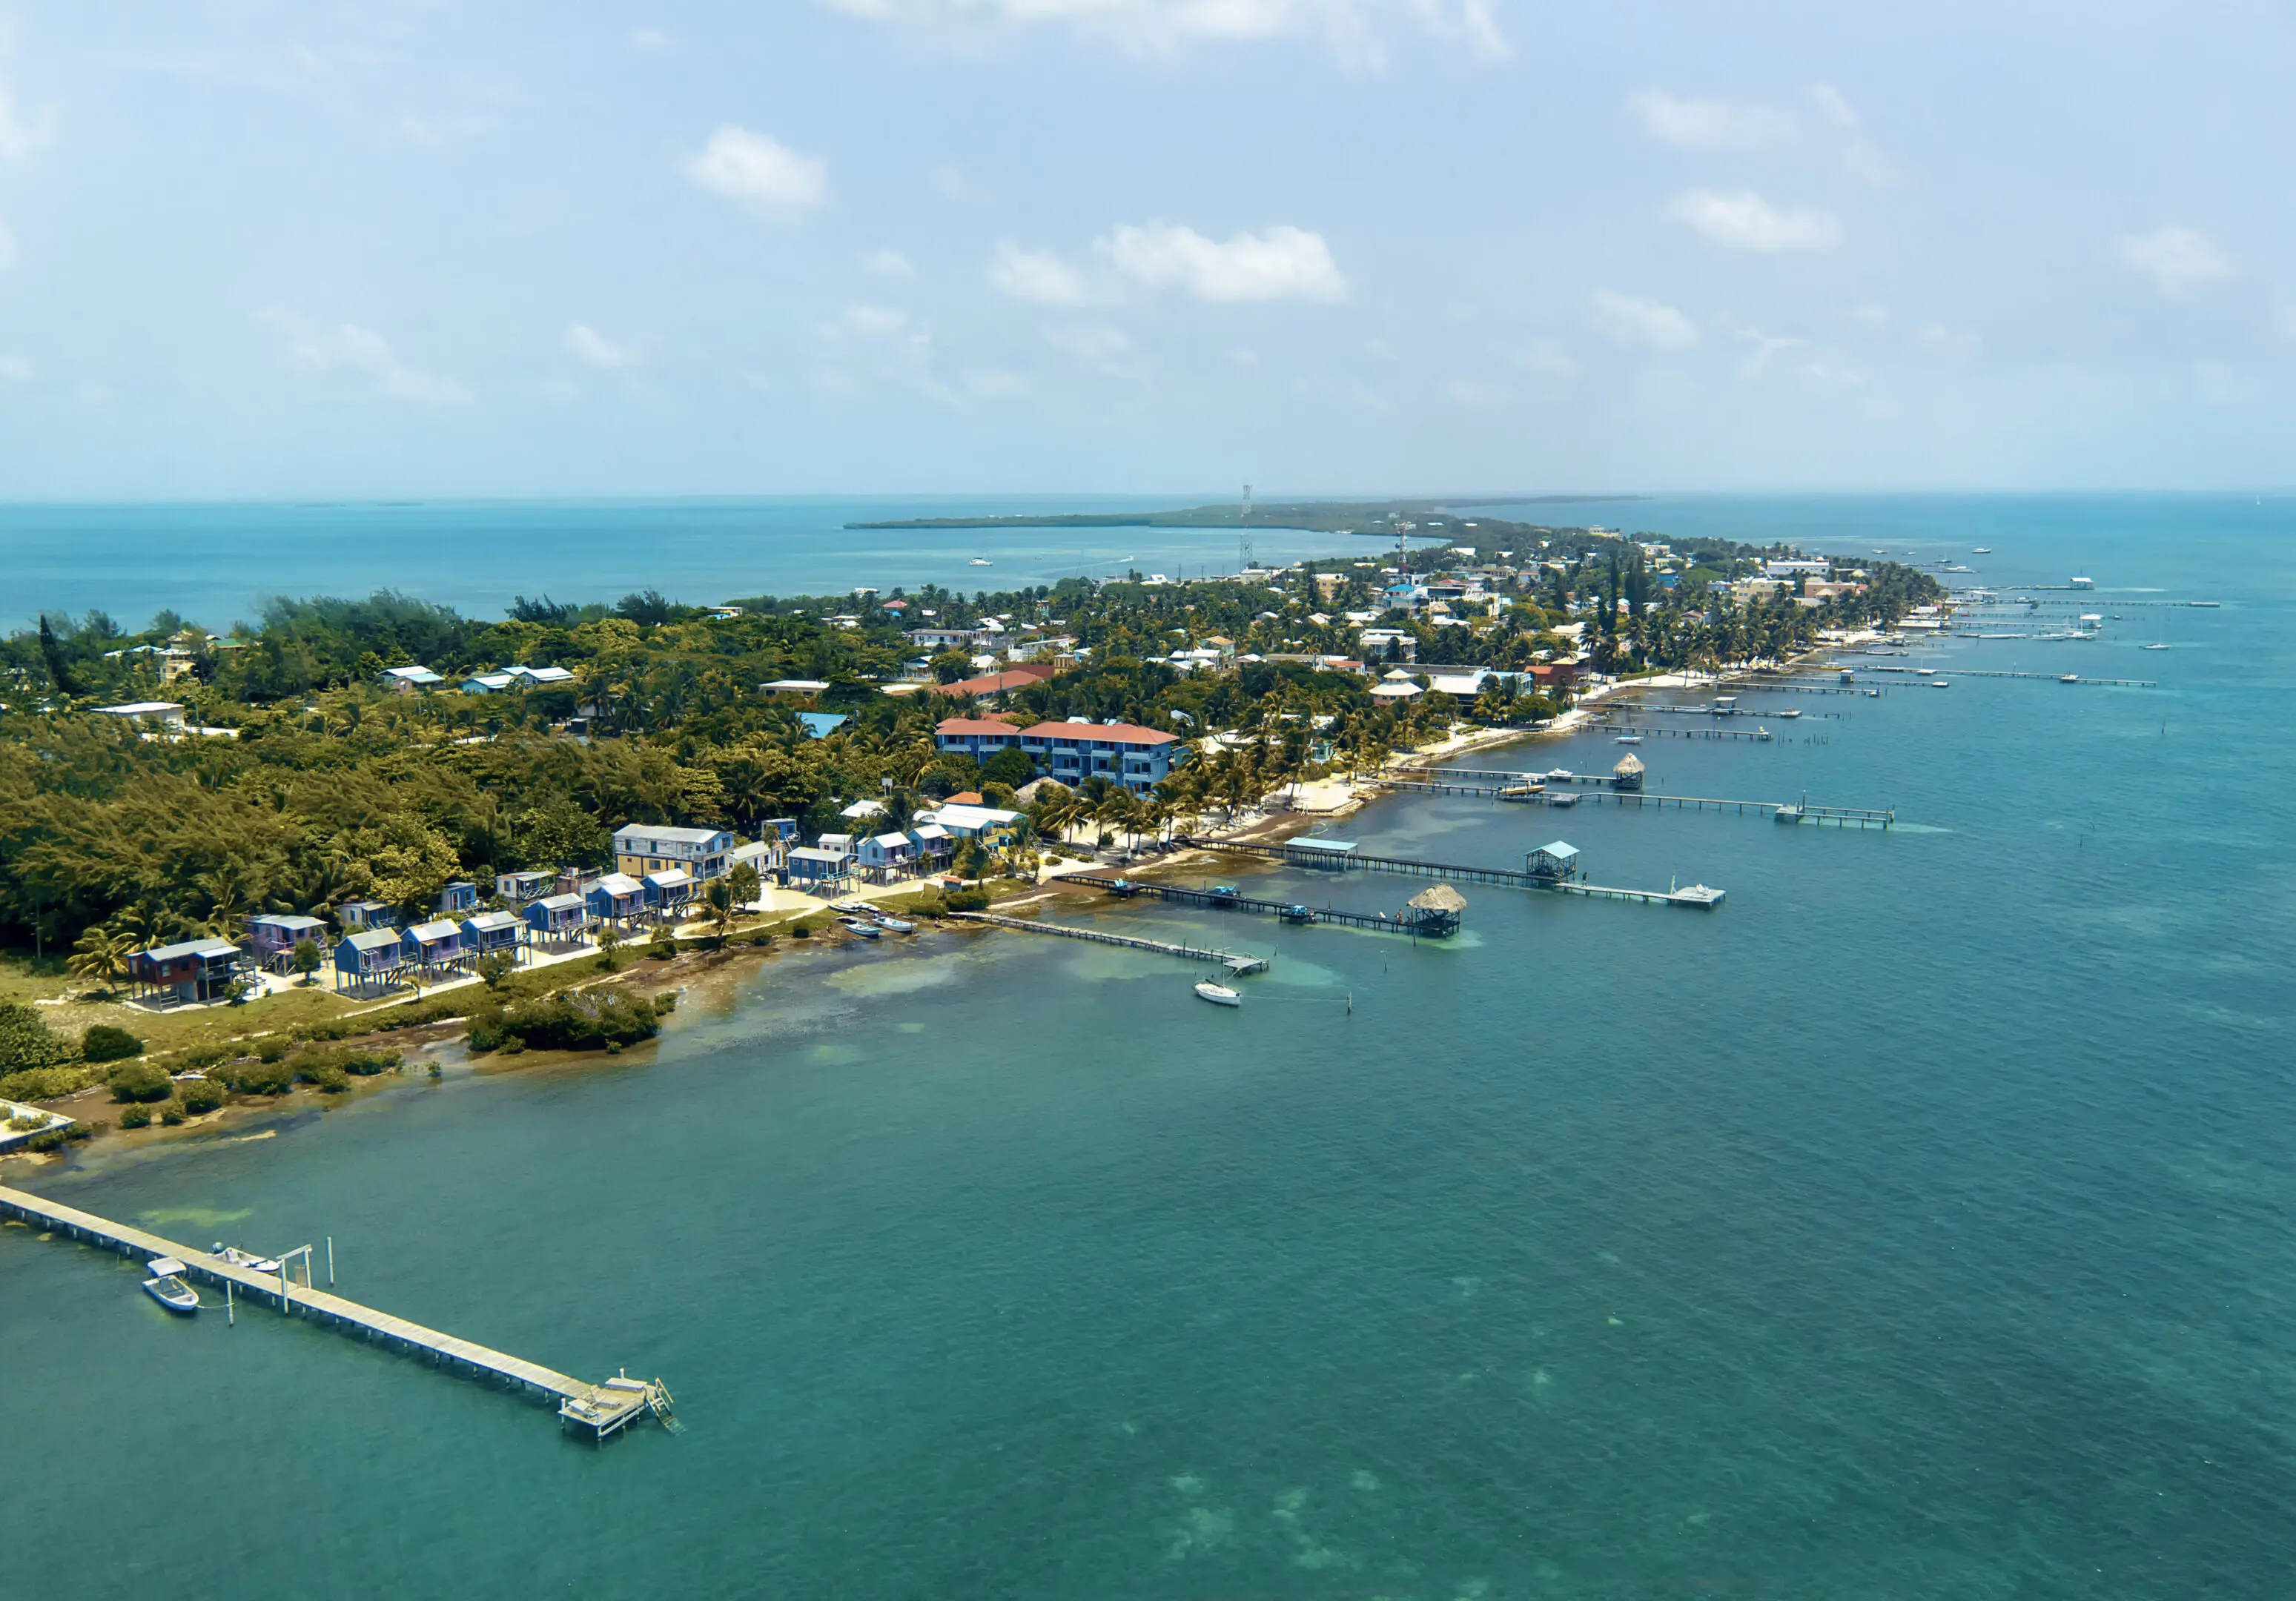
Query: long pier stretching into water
x=598, y=1410
x=1233, y=963
x=1436, y=927
x=1539, y=789
x=1697, y=895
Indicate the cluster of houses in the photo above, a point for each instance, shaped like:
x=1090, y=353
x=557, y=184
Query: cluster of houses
x=659, y=874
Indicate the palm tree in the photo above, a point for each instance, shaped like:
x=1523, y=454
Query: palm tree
x=719, y=896
x=101, y=955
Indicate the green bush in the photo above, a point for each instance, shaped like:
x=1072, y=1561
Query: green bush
x=172, y=1113
x=665, y=1003
x=201, y=1095
x=966, y=900
x=328, y=1076
x=135, y=1116
x=54, y=1139
x=566, y=1023
x=140, y=1081
x=257, y=1077
x=106, y=1043
x=208, y=1056
x=47, y=1084
x=661, y=947
x=26, y=1040
x=763, y=938
x=800, y=931
x=274, y=1049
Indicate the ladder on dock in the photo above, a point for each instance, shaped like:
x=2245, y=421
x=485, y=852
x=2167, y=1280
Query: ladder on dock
x=465, y=1358
x=1233, y=963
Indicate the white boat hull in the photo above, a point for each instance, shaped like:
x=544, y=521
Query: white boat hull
x=1218, y=994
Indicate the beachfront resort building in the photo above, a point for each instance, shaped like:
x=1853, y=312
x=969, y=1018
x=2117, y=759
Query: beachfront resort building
x=1123, y=753
x=273, y=936
x=642, y=847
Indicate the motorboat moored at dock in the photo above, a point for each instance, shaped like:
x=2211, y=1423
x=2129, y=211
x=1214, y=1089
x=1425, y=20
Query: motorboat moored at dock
x=244, y=1259
x=168, y=1287
x=1218, y=994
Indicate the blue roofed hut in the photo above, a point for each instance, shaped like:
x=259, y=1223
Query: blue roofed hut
x=1557, y=862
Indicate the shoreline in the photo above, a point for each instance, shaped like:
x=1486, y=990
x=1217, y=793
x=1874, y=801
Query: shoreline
x=699, y=965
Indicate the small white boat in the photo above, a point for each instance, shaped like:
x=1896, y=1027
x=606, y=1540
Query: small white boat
x=1630, y=739
x=865, y=930
x=238, y=1258
x=977, y=562
x=1940, y=683
x=1218, y=994
x=166, y=1286
x=2070, y=678
x=1982, y=550
x=2156, y=647
x=1791, y=711
x=896, y=925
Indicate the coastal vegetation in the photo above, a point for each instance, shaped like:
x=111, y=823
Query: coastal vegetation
x=303, y=778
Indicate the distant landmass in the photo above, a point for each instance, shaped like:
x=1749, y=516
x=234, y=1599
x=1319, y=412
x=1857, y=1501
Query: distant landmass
x=1312, y=516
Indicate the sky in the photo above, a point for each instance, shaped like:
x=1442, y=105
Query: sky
x=420, y=248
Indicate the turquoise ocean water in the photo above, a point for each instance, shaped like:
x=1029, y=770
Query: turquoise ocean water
x=213, y=563
x=1920, y=1223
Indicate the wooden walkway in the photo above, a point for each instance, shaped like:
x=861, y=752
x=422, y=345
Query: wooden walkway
x=1238, y=964
x=1953, y=672
x=1535, y=789
x=1507, y=876
x=605, y=1409
x=1416, y=923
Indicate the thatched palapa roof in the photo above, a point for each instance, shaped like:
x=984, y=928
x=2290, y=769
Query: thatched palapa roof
x=1441, y=898
x=1629, y=763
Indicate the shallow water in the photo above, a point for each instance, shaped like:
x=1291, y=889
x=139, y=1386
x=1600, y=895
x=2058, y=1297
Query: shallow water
x=1916, y=1224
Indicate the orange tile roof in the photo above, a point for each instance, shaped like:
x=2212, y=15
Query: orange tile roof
x=1128, y=733
x=991, y=683
x=973, y=725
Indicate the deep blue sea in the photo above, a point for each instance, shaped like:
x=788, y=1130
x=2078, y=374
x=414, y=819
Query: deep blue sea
x=1922, y=1222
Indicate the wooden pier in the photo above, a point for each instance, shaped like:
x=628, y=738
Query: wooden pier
x=1539, y=789
x=1416, y=923
x=597, y=1410
x=1506, y=877
x=1952, y=672
x=1237, y=965
x=1762, y=736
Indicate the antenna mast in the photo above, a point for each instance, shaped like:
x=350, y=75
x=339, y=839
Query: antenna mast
x=1244, y=557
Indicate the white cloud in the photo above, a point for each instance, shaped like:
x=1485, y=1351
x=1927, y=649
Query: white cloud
x=994, y=383
x=1636, y=324
x=1282, y=264
x=1765, y=344
x=760, y=173
x=15, y=370
x=1957, y=342
x=348, y=347
x=1872, y=315
x=887, y=264
x=587, y=344
x=1548, y=358
x=22, y=137
x=7, y=248
x=1357, y=31
x=650, y=41
x=1859, y=154
x=874, y=322
x=1742, y=220
x=1038, y=277
x=2286, y=318
x=1476, y=393
x=1097, y=345
x=1697, y=124
x=2177, y=262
